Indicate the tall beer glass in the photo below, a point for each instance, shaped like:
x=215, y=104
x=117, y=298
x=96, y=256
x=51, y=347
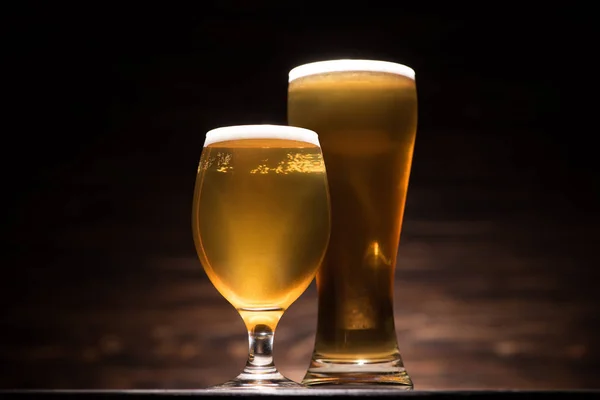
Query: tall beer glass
x=365, y=113
x=260, y=223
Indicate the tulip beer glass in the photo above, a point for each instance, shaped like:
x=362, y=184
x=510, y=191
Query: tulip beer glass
x=261, y=224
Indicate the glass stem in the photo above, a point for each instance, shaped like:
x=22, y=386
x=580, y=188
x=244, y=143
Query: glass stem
x=260, y=350
x=261, y=331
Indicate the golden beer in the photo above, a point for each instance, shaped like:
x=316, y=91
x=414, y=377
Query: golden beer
x=261, y=223
x=365, y=113
x=262, y=228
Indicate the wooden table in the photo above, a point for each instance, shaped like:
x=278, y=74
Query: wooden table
x=299, y=393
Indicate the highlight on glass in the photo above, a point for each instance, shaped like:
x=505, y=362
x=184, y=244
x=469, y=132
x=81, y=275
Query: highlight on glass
x=366, y=114
x=261, y=225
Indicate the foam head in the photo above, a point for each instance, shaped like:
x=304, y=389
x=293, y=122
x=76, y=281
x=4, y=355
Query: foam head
x=240, y=132
x=323, y=67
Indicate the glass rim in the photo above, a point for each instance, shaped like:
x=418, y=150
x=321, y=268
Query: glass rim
x=349, y=65
x=261, y=131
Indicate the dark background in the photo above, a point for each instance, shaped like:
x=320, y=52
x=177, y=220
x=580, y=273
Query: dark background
x=103, y=128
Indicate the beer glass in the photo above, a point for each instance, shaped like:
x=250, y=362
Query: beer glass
x=261, y=226
x=366, y=115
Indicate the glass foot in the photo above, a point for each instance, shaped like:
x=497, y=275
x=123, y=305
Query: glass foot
x=358, y=374
x=263, y=382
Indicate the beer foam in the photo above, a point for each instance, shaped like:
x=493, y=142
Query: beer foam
x=323, y=67
x=239, y=132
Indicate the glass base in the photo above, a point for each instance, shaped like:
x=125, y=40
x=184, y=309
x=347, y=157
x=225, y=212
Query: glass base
x=358, y=374
x=262, y=382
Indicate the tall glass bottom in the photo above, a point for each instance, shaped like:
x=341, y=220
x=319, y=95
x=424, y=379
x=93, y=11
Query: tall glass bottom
x=388, y=373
